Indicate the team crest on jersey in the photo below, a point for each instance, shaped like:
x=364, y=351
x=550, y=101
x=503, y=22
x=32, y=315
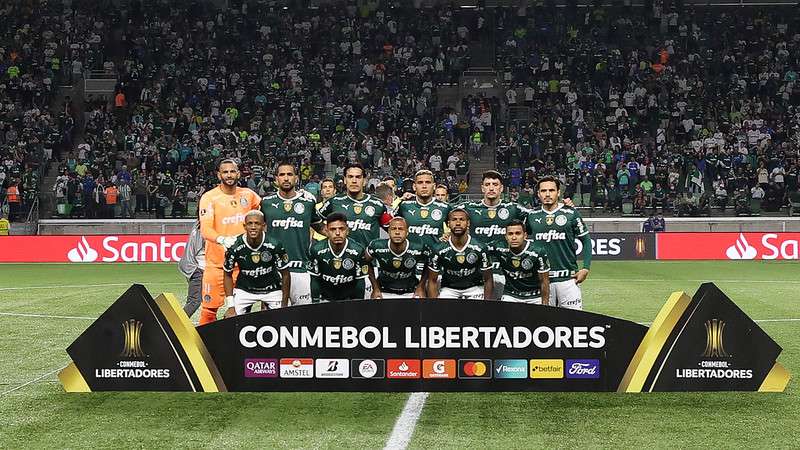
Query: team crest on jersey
x=396, y=263
x=255, y=257
x=410, y=262
x=287, y=206
x=460, y=259
x=515, y=262
x=492, y=213
x=243, y=201
x=549, y=220
x=266, y=256
x=503, y=213
x=471, y=258
x=369, y=210
x=357, y=209
x=527, y=264
x=348, y=264
x=423, y=213
x=364, y=270
x=561, y=220
x=337, y=263
x=299, y=208
x=436, y=214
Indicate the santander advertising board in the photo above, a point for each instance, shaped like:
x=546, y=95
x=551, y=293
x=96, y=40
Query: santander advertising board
x=93, y=249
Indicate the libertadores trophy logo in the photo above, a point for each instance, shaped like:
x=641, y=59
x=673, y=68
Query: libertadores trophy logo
x=714, y=343
x=132, y=332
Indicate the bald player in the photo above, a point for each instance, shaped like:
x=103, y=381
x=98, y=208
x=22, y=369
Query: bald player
x=222, y=213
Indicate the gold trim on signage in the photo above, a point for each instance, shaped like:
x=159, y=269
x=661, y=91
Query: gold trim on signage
x=72, y=380
x=776, y=380
x=653, y=342
x=193, y=346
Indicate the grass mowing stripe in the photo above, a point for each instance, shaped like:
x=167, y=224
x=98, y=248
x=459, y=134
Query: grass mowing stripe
x=406, y=422
x=32, y=381
x=46, y=316
x=81, y=286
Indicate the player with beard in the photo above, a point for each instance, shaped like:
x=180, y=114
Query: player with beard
x=462, y=261
x=489, y=217
x=397, y=259
x=554, y=229
x=425, y=215
x=222, y=212
x=337, y=264
x=263, y=268
x=289, y=215
x=525, y=269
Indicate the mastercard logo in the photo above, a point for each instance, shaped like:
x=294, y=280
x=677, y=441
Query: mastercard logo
x=475, y=368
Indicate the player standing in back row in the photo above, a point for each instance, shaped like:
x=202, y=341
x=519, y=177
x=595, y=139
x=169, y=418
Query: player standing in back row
x=489, y=217
x=289, y=214
x=222, y=212
x=554, y=229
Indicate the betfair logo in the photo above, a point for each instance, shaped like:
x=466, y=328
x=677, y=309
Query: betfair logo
x=714, y=344
x=132, y=332
x=547, y=368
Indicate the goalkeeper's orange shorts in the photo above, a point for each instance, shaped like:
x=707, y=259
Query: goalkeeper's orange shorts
x=213, y=296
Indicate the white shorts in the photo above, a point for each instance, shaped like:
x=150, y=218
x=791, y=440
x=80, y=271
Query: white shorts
x=566, y=294
x=512, y=299
x=300, y=292
x=473, y=293
x=391, y=295
x=243, y=300
x=499, y=285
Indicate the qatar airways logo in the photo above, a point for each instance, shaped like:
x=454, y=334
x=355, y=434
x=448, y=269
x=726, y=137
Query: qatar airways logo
x=114, y=249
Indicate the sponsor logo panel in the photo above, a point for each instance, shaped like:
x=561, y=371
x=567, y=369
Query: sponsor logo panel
x=510, y=368
x=480, y=369
x=547, y=368
x=297, y=368
x=403, y=369
x=332, y=368
x=368, y=368
x=93, y=249
x=439, y=369
x=583, y=368
x=728, y=246
x=260, y=368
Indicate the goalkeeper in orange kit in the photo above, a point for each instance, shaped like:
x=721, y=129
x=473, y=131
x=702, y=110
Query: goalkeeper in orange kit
x=222, y=213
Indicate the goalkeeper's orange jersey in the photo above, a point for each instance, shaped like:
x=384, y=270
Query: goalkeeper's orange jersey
x=223, y=215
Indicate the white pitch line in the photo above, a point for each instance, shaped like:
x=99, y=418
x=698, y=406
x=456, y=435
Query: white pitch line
x=641, y=280
x=46, y=316
x=793, y=319
x=77, y=286
x=406, y=423
x=31, y=382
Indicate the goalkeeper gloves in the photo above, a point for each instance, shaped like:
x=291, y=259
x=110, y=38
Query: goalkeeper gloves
x=228, y=302
x=226, y=241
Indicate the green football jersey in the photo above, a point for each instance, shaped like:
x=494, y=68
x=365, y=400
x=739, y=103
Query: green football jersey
x=460, y=269
x=337, y=276
x=521, y=269
x=397, y=272
x=555, y=233
x=363, y=216
x=259, y=267
x=488, y=224
x=289, y=221
x=425, y=222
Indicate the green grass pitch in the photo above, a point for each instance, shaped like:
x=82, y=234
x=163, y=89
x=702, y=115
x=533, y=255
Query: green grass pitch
x=35, y=412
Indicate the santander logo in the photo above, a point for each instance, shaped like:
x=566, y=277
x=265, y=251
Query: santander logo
x=741, y=249
x=83, y=252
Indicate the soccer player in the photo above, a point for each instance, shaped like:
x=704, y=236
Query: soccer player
x=489, y=217
x=441, y=193
x=289, y=214
x=326, y=191
x=554, y=229
x=337, y=264
x=425, y=215
x=525, y=269
x=397, y=259
x=192, y=265
x=263, y=268
x=222, y=212
x=365, y=214
x=462, y=261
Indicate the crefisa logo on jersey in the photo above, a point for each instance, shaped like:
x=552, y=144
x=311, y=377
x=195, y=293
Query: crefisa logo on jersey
x=133, y=362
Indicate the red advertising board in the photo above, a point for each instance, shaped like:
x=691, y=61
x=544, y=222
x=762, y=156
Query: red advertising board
x=725, y=246
x=93, y=249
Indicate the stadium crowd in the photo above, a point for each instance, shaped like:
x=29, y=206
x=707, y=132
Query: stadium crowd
x=667, y=108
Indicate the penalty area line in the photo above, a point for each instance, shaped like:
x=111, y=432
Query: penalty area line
x=407, y=421
x=31, y=382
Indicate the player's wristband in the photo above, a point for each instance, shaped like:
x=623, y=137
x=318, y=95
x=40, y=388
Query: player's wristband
x=228, y=302
x=220, y=240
